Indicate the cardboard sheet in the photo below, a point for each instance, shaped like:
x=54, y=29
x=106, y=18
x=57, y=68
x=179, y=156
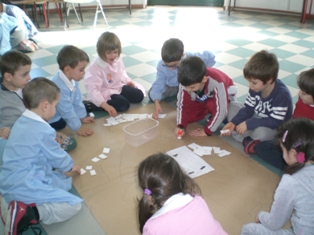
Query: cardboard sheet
x=235, y=191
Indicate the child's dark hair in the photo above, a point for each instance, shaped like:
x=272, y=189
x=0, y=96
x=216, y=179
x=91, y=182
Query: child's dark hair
x=12, y=60
x=297, y=134
x=172, y=50
x=162, y=177
x=263, y=66
x=306, y=82
x=191, y=70
x=70, y=56
x=38, y=90
x=108, y=42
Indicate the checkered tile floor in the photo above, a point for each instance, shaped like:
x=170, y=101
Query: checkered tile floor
x=233, y=39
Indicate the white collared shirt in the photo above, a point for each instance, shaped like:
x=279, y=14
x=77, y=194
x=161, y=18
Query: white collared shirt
x=69, y=83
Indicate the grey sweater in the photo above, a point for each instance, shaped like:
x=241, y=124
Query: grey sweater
x=11, y=107
x=294, y=195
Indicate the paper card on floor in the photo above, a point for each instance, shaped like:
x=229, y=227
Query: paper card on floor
x=92, y=172
x=106, y=150
x=199, y=151
x=102, y=156
x=207, y=150
x=111, y=119
x=192, y=164
x=83, y=171
x=95, y=159
x=142, y=116
x=91, y=114
x=224, y=131
x=194, y=146
x=162, y=115
x=107, y=124
x=224, y=153
x=216, y=150
x=119, y=116
x=89, y=167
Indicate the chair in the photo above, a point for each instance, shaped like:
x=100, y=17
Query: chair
x=99, y=9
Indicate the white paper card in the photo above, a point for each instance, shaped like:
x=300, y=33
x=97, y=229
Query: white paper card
x=92, y=172
x=95, y=159
x=106, y=150
x=83, y=171
x=194, y=146
x=89, y=167
x=192, y=164
x=162, y=115
x=224, y=153
x=224, y=131
x=102, y=156
x=91, y=114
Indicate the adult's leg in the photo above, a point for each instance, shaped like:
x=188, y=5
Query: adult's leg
x=270, y=152
x=132, y=94
x=57, y=212
x=119, y=102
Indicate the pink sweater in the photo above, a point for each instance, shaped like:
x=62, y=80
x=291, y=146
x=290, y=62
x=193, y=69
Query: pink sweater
x=184, y=215
x=103, y=80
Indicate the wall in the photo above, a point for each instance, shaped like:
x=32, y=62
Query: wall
x=281, y=5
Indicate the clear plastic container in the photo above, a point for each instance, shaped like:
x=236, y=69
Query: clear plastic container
x=140, y=131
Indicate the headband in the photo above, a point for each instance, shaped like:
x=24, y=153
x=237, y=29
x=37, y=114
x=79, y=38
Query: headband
x=147, y=191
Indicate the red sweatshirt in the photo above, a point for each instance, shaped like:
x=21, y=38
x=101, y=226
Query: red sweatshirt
x=303, y=110
x=219, y=88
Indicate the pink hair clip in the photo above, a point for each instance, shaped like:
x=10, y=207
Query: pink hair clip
x=147, y=191
x=284, y=136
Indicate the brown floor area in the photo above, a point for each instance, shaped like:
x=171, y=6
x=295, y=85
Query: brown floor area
x=235, y=191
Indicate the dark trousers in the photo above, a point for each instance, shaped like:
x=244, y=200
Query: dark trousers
x=59, y=124
x=128, y=95
x=271, y=152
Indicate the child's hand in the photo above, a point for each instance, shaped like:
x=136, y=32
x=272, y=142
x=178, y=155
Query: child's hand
x=229, y=126
x=4, y=132
x=111, y=110
x=197, y=132
x=257, y=219
x=75, y=169
x=87, y=120
x=157, y=110
x=179, y=132
x=131, y=84
x=241, y=128
x=84, y=131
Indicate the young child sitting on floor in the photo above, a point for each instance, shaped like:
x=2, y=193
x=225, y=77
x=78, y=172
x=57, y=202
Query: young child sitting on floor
x=15, y=68
x=294, y=196
x=71, y=111
x=33, y=176
x=171, y=201
x=267, y=105
x=202, y=91
x=107, y=83
x=166, y=83
x=270, y=151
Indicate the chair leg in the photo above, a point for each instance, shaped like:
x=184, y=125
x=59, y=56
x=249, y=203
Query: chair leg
x=45, y=12
x=78, y=18
x=59, y=11
x=102, y=12
x=130, y=7
x=35, y=14
x=79, y=5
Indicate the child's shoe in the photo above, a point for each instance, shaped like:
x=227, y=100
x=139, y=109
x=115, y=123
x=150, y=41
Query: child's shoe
x=19, y=217
x=249, y=145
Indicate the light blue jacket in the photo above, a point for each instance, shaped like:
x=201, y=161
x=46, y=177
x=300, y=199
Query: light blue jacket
x=29, y=158
x=70, y=106
x=167, y=77
x=7, y=26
